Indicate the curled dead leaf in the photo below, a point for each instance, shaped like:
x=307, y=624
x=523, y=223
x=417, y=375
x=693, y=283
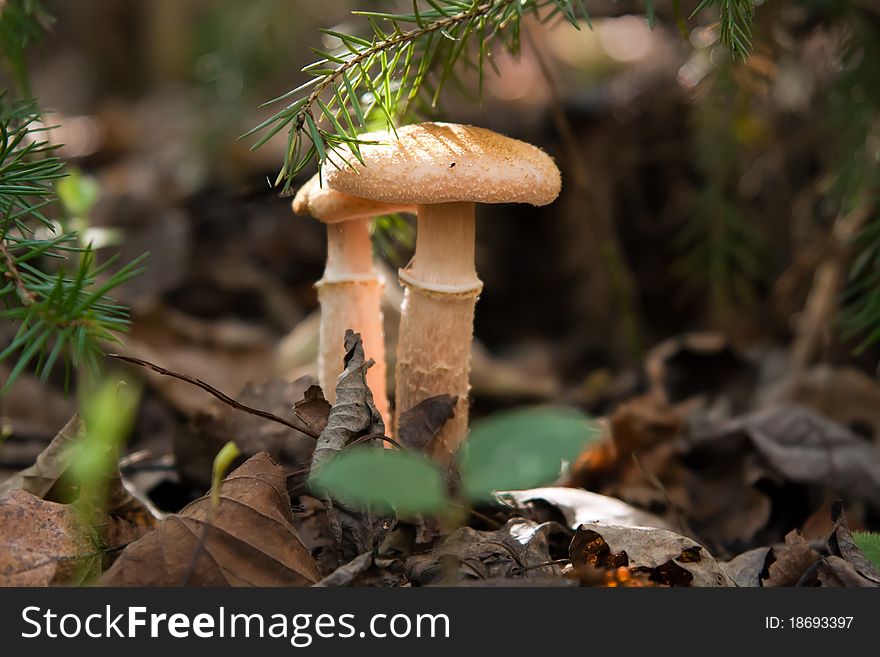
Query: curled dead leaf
x=841, y=544
x=249, y=541
x=50, y=465
x=835, y=572
x=419, y=425
x=353, y=415
x=792, y=561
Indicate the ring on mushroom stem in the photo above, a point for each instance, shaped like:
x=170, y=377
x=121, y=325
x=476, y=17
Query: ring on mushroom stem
x=350, y=291
x=413, y=167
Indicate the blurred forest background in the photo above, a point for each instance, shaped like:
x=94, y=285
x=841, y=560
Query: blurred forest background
x=731, y=202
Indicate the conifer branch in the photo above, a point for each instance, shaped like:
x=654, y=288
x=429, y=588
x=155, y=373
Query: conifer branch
x=51, y=287
x=409, y=58
x=735, y=22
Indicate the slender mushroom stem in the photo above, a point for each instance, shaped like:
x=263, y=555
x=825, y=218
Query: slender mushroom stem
x=348, y=250
x=436, y=326
x=350, y=293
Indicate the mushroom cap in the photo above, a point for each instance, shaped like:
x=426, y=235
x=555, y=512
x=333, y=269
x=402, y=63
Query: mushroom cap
x=446, y=163
x=331, y=206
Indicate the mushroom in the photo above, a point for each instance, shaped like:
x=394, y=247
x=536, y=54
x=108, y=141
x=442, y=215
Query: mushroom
x=350, y=291
x=445, y=169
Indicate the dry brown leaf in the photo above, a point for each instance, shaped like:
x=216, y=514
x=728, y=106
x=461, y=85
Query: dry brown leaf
x=837, y=572
x=313, y=409
x=841, y=544
x=792, y=561
x=250, y=541
x=637, y=425
x=796, y=443
x=44, y=543
x=418, y=426
x=663, y=556
x=737, y=474
x=745, y=569
x=352, y=417
x=50, y=465
x=122, y=518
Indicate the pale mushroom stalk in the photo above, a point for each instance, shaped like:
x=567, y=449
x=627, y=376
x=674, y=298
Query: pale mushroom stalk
x=350, y=291
x=436, y=329
x=350, y=294
x=445, y=169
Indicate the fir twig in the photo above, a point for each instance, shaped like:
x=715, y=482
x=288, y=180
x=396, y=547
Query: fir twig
x=407, y=60
x=299, y=425
x=855, y=172
x=21, y=23
x=735, y=20
x=26, y=297
x=60, y=317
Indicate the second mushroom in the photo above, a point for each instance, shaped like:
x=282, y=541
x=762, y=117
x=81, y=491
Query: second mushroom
x=350, y=291
x=444, y=169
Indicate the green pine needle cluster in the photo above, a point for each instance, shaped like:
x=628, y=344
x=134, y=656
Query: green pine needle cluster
x=61, y=315
x=735, y=22
x=52, y=290
x=862, y=313
x=406, y=60
x=855, y=172
x=22, y=22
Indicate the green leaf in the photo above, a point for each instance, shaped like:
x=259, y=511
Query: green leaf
x=869, y=543
x=522, y=449
x=384, y=479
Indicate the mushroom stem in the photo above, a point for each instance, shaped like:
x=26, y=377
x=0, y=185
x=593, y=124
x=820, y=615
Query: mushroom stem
x=348, y=249
x=350, y=293
x=437, y=317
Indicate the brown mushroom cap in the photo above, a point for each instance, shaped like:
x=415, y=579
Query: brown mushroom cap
x=331, y=206
x=446, y=163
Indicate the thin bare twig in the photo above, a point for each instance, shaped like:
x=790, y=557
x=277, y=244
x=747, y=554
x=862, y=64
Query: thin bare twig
x=25, y=295
x=299, y=425
x=373, y=436
x=482, y=516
